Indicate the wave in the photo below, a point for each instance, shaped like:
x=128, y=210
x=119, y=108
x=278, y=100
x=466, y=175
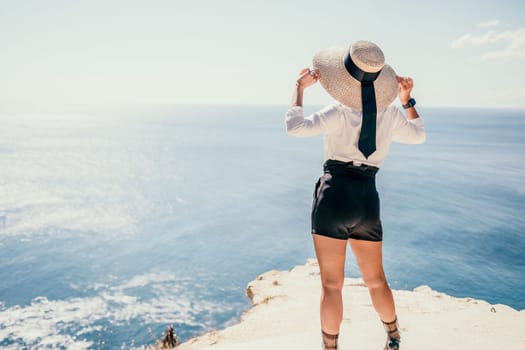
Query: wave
x=75, y=322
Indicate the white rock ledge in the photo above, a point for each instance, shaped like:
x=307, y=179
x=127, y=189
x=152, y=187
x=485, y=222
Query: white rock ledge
x=285, y=315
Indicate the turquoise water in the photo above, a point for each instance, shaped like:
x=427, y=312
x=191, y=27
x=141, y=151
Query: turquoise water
x=114, y=225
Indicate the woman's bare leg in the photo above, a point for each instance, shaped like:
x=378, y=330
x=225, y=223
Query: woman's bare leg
x=331, y=254
x=369, y=257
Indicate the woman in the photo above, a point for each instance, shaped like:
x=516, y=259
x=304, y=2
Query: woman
x=357, y=131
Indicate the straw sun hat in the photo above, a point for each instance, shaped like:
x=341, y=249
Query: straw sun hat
x=343, y=87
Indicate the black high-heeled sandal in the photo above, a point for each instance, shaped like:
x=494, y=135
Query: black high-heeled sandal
x=332, y=339
x=393, y=335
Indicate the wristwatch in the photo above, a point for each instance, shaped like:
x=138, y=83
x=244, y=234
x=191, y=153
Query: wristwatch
x=411, y=103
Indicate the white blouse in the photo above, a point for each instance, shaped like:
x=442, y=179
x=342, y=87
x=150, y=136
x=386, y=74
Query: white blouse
x=341, y=127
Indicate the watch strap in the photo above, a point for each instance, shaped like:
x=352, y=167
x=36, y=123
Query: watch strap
x=410, y=103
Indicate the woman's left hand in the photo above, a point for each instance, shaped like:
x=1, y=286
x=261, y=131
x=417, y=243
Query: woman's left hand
x=308, y=77
x=405, y=85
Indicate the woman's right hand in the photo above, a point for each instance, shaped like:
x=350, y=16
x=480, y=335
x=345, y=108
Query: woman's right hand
x=308, y=77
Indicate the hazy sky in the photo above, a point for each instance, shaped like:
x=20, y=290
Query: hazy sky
x=61, y=53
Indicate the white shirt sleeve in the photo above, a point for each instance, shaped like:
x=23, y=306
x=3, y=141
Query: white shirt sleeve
x=321, y=122
x=407, y=131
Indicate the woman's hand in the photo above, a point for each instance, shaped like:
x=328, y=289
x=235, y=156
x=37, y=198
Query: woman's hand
x=404, y=87
x=308, y=77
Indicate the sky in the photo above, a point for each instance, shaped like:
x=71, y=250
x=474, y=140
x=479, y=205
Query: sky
x=57, y=54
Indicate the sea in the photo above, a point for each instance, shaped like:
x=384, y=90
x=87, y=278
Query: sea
x=117, y=223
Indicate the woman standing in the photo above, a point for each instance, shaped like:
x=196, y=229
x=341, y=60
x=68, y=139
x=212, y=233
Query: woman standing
x=357, y=131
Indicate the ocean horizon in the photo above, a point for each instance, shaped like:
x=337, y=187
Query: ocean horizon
x=115, y=224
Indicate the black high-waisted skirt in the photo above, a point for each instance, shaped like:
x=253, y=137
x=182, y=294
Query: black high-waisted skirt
x=346, y=202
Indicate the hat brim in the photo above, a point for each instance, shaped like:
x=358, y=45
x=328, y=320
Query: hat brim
x=344, y=88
